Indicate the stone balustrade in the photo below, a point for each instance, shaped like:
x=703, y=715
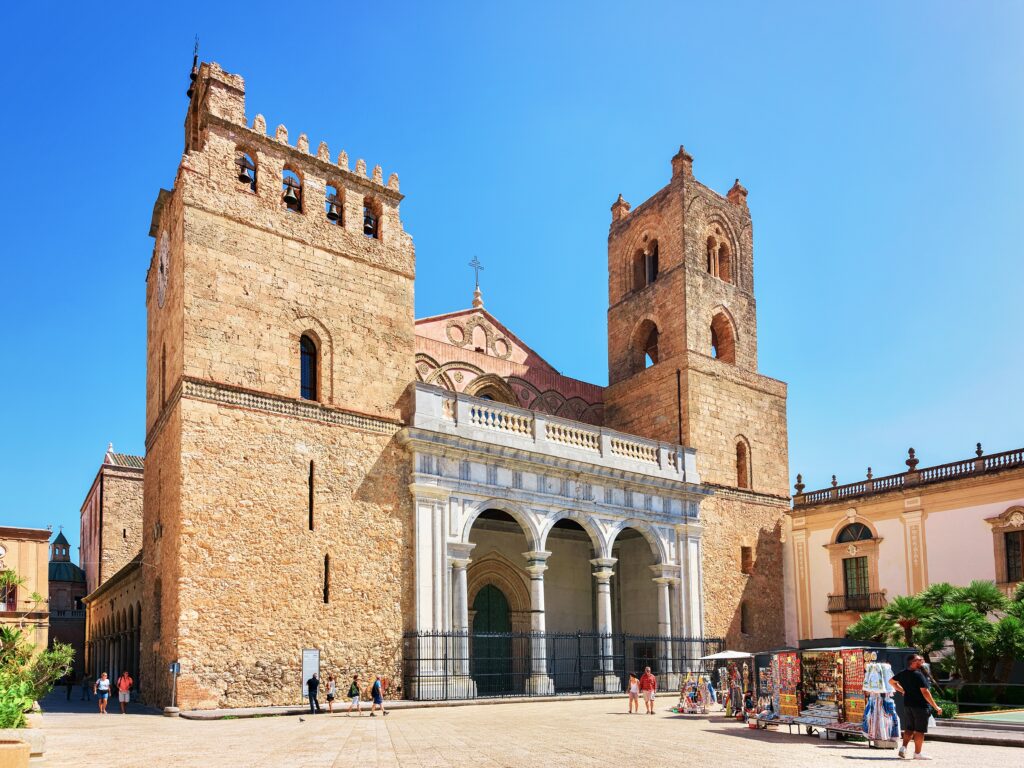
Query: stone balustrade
x=443, y=411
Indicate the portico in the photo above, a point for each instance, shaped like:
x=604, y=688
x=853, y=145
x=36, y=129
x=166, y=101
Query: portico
x=569, y=528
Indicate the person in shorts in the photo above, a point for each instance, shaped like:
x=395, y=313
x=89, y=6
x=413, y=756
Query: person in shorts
x=377, y=694
x=332, y=692
x=633, y=688
x=102, y=690
x=917, y=698
x=124, y=690
x=353, y=694
x=648, y=687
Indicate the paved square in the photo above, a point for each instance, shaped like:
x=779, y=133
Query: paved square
x=569, y=733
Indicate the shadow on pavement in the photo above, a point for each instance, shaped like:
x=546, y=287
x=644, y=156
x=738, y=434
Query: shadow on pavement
x=57, y=702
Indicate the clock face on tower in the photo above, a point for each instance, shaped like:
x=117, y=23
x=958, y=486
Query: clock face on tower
x=163, y=268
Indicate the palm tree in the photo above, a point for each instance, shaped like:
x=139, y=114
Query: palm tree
x=964, y=626
x=908, y=612
x=873, y=627
x=984, y=596
x=1007, y=647
x=937, y=595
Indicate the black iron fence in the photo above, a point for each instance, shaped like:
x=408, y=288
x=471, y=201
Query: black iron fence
x=867, y=601
x=454, y=665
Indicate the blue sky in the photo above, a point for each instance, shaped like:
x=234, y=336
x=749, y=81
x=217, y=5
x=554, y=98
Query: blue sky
x=880, y=142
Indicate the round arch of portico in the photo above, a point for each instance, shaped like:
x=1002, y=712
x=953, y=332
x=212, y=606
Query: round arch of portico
x=528, y=521
x=585, y=521
x=659, y=547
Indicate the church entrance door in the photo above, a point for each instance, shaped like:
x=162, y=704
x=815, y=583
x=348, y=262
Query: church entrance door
x=491, y=654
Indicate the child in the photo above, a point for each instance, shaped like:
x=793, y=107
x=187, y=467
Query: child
x=634, y=693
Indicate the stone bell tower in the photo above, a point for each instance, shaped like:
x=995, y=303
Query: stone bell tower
x=682, y=366
x=280, y=347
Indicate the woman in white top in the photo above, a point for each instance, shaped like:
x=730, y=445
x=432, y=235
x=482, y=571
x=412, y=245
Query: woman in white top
x=102, y=691
x=332, y=691
x=634, y=694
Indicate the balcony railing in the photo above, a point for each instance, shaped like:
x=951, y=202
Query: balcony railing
x=871, y=601
x=440, y=410
x=956, y=469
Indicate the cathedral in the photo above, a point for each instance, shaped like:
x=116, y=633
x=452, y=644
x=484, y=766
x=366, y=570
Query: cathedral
x=429, y=499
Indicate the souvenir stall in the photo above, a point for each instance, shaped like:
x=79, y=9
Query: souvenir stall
x=694, y=695
x=732, y=673
x=879, y=723
x=822, y=687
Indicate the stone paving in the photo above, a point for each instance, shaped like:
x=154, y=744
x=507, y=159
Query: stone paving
x=570, y=733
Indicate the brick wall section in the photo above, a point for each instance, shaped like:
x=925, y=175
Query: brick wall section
x=247, y=278
x=712, y=404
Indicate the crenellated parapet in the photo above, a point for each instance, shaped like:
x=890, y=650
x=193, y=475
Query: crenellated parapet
x=245, y=171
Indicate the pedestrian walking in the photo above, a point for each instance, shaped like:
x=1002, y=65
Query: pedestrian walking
x=648, y=687
x=332, y=691
x=633, y=688
x=377, y=694
x=313, y=688
x=102, y=690
x=69, y=682
x=85, y=687
x=917, y=698
x=124, y=691
x=353, y=695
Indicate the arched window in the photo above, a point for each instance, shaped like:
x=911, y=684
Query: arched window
x=651, y=348
x=334, y=206
x=246, y=170
x=371, y=218
x=854, y=532
x=742, y=465
x=308, y=352
x=723, y=339
x=645, y=266
x=719, y=256
x=291, y=190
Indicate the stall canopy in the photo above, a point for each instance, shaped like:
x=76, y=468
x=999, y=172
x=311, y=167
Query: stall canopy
x=726, y=656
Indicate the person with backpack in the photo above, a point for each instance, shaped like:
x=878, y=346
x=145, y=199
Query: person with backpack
x=377, y=694
x=353, y=694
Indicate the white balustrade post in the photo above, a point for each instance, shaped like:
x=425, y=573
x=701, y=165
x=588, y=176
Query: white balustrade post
x=606, y=681
x=539, y=684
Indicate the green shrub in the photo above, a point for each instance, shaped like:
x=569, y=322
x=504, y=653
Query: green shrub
x=949, y=709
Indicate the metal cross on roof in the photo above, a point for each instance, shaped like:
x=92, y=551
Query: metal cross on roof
x=477, y=266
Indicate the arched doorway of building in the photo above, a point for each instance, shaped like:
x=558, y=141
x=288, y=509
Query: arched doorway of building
x=635, y=602
x=491, y=646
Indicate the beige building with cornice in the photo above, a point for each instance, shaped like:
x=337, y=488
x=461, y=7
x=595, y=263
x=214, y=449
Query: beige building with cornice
x=852, y=548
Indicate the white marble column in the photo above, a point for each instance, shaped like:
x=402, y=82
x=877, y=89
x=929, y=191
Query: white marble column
x=606, y=680
x=538, y=684
x=666, y=666
x=458, y=560
x=691, y=611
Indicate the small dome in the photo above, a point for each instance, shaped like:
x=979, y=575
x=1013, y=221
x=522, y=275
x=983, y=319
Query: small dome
x=65, y=571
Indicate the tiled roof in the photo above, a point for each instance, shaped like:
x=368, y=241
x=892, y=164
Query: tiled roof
x=126, y=460
x=62, y=571
x=61, y=539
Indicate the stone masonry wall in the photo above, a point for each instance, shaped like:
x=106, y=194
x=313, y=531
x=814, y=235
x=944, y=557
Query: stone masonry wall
x=252, y=596
x=734, y=519
x=122, y=519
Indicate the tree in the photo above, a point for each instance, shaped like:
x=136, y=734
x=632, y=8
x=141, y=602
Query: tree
x=873, y=627
x=25, y=674
x=937, y=595
x=908, y=612
x=1007, y=646
x=984, y=596
x=962, y=625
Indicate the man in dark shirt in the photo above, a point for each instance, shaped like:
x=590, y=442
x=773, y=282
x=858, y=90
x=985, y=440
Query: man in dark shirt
x=917, y=697
x=312, y=688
